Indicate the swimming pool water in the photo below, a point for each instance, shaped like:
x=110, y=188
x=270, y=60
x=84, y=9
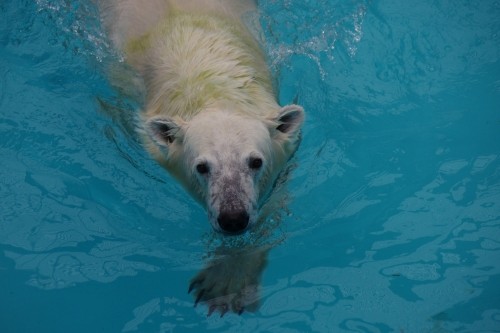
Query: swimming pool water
x=393, y=217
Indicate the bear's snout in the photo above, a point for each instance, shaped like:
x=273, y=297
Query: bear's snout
x=234, y=222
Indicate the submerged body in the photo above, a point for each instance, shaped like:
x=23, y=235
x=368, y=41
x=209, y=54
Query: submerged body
x=211, y=116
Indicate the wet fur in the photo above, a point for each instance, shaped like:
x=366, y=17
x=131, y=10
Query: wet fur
x=209, y=99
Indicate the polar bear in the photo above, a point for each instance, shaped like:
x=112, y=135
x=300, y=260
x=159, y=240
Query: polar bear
x=211, y=117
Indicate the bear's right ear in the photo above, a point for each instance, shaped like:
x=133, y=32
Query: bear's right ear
x=163, y=131
x=289, y=120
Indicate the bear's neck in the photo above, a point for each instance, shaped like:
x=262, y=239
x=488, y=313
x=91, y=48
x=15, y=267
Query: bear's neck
x=197, y=61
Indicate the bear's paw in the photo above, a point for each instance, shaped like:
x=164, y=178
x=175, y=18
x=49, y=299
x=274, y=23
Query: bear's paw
x=230, y=282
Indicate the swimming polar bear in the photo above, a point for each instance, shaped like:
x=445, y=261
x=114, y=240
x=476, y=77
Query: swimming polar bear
x=210, y=116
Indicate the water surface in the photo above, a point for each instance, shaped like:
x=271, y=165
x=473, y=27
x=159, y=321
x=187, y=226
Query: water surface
x=393, y=220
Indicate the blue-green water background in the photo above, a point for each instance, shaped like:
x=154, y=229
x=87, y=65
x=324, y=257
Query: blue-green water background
x=393, y=224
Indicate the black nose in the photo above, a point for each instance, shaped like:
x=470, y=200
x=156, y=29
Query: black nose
x=233, y=222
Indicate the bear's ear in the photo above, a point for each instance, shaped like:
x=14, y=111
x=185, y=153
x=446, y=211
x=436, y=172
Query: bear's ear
x=290, y=119
x=163, y=130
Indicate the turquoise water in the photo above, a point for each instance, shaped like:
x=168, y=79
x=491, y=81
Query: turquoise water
x=393, y=217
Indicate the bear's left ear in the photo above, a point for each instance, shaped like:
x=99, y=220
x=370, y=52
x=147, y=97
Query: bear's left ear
x=163, y=131
x=289, y=120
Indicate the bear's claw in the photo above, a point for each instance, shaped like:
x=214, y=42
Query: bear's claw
x=194, y=285
x=199, y=296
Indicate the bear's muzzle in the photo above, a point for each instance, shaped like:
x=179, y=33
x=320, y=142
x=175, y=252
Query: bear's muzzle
x=233, y=222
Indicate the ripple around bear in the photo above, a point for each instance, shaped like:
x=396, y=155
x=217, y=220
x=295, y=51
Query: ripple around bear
x=211, y=119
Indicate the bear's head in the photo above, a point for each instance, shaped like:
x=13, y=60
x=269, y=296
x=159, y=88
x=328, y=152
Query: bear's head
x=227, y=160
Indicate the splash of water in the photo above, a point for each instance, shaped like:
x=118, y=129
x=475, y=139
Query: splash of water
x=301, y=35
x=78, y=27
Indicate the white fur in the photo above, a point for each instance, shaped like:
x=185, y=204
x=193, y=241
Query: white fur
x=209, y=99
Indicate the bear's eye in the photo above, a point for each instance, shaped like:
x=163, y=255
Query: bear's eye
x=202, y=168
x=255, y=163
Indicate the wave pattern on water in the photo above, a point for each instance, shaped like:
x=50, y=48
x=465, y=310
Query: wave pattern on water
x=393, y=214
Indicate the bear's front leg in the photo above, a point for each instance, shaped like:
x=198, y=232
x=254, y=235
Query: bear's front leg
x=231, y=280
